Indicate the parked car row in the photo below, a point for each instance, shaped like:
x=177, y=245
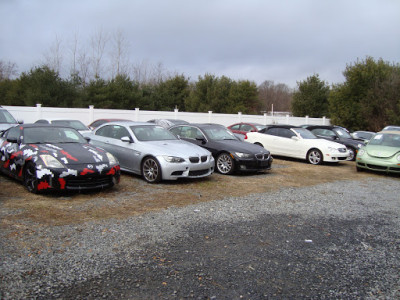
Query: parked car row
x=67, y=155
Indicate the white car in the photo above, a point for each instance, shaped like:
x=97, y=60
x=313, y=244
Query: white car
x=152, y=151
x=297, y=142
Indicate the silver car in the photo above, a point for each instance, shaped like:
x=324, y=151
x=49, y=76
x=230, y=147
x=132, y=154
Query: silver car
x=151, y=151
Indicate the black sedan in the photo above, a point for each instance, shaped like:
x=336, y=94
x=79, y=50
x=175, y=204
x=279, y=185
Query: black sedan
x=48, y=157
x=338, y=135
x=229, y=152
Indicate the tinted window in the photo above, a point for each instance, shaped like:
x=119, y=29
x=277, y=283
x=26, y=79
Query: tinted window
x=152, y=133
x=13, y=133
x=235, y=127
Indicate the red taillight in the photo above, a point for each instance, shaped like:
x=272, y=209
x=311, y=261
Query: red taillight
x=245, y=136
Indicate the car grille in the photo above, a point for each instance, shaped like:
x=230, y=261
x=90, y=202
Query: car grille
x=262, y=156
x=376, y=167
x=88, y=182
x=196, y=159
x=198, y=172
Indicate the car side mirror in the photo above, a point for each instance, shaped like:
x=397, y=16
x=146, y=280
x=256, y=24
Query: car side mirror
x=126, y=139
x=87, y=138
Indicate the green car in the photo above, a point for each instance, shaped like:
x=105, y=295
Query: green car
x=382, y=153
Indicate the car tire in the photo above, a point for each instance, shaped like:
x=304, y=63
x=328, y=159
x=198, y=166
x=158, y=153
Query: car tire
x=225, y=164
x=30, y=178
x=151, y=170
x=314, y=157
x=352, y=156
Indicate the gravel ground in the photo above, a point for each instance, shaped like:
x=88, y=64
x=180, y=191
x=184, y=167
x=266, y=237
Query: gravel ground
x=336, y=240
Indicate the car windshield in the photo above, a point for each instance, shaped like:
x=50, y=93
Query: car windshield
x=386, y=139
x=6, y=117
x=342, y=133
x=305, y=133
x=52, y=135
x=219, y=133
x=78, y=125
x=152, y=133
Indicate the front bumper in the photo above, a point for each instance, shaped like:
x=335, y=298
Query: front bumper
x=336, y=156
x=79, y=179
x=187, y=169
x=378, y=165
x=253, y=164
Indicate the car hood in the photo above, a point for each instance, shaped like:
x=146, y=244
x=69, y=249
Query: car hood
x=325, y=143
x=176, y=148
x=381, y=151
x=238, y=146
x=74, y=153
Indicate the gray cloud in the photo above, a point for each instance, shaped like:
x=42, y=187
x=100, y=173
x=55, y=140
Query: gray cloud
x=283, y=41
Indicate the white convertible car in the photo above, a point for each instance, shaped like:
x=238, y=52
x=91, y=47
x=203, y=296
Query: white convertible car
x=297, y=142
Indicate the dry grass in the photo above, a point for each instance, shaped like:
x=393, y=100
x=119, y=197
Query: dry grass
x=134, y=196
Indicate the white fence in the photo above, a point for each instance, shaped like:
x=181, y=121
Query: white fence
x=87, y=115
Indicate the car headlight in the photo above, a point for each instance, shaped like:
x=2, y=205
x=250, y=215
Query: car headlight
x=173, y=159
x=51, y=161
x=111, y=159
x=398, y=157
x=362, y=151
x=243, y=155
x=359, y=145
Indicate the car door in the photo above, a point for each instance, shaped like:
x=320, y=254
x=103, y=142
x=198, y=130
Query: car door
x=280, y=141
x=109, y=137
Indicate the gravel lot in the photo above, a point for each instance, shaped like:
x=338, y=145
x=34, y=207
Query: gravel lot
x=333, y=240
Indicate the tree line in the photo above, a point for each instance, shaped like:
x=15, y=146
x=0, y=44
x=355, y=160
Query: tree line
x=368, y=99
x=209, y=93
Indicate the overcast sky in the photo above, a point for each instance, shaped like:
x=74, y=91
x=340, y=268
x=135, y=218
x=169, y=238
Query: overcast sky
x=283, y=40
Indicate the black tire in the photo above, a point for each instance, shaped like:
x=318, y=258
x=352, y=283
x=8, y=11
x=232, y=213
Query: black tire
x=314, y=157
x=30, y=178
x=225, y=164
x=151, y=170
x=352, y=154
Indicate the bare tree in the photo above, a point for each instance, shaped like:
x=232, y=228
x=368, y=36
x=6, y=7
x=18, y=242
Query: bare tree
x=53, y=58
x=275, y=97
x=98, y=45
x=119, y=58
x=7, y=70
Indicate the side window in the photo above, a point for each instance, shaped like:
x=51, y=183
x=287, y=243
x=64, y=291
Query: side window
x=246, y=128
x=104, y=131
x=120, y=132
x=287, y=133
x=176, y=131
x=273, y=131
x=235, y=127
x=42, y=122
x=13, y=133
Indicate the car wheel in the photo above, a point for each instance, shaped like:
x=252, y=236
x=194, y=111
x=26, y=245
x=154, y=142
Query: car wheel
x=225, y=164
x=352, y=155
x=30, y=178
x=314, y=157
x=151, y=170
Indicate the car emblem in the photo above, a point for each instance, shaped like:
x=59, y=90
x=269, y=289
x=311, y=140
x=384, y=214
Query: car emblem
x=90, y=166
